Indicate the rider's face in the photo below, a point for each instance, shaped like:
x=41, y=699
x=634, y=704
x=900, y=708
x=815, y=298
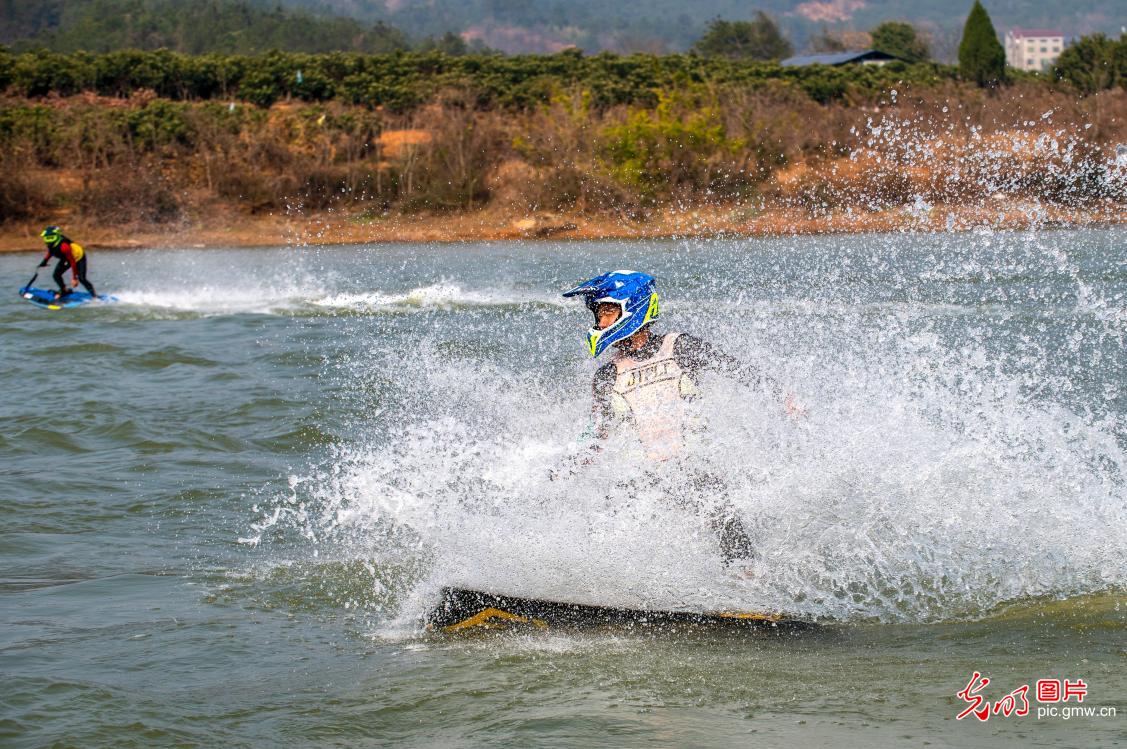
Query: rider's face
x=605, y=315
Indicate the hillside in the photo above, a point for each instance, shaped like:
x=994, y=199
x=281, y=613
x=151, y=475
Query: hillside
x=191, y=26
x=514, y=26
x=672, y=25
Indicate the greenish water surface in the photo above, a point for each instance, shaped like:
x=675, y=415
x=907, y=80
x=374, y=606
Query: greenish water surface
x=229, y=499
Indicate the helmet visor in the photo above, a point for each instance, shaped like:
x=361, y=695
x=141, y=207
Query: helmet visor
x=598, y=338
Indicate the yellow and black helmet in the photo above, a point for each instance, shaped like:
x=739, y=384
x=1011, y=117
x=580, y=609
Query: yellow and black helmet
x=52, y=235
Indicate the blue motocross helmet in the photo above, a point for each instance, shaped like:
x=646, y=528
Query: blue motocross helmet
x=635, y=293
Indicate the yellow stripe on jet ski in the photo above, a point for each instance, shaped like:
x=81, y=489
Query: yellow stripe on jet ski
x=486, y=619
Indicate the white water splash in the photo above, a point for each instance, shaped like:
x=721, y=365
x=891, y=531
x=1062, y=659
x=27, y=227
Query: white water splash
x=242, y=298
x=433, y=296
x=948, y=463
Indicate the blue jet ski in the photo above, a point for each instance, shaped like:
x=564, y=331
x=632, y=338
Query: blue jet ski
x=47, y=298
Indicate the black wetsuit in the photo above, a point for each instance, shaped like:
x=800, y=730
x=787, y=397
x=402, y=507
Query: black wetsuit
x=693, y=356
x=64, y=252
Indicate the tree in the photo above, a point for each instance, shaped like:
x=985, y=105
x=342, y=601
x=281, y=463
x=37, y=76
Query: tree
x=981, y=56
x=449, y=43
x=900, y=39
x=201, y=26
x=829, y=42
x=759, y=39
x=1120, y=55
x=825, y=42
x=1090, y=64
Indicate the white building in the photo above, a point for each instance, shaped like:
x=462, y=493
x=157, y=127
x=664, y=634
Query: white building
x=1033, y=49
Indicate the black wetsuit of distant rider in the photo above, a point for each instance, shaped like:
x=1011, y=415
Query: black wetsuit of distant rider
x=70, y=255
x=694, y=356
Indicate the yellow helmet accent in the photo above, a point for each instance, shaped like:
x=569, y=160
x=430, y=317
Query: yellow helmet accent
x=52, y=235
x=652, y=311
x=593, y=341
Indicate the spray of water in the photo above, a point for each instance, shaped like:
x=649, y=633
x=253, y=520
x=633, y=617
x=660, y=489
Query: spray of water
x=962, y=447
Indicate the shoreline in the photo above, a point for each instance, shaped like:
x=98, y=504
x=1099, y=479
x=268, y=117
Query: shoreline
x=328, y=228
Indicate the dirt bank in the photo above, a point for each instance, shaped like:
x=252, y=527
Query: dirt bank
x=333, y=228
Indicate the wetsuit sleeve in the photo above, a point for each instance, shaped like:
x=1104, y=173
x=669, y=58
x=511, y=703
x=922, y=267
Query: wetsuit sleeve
x=695, y=355
x=602, y=413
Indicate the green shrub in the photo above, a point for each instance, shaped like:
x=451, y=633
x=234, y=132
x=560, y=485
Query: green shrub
x=674, y=147
x=1093, y=63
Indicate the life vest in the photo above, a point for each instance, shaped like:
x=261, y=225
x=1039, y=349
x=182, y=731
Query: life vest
x=650, y=393
x=67, y=250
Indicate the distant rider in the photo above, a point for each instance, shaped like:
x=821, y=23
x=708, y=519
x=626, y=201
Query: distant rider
x=647, y=382
x=70, y=255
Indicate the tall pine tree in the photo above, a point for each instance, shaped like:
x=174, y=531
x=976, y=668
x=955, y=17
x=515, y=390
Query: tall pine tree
x=981, y=56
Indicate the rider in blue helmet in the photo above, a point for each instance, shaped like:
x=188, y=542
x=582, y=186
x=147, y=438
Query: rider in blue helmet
x=648, y=379
x=631, y=296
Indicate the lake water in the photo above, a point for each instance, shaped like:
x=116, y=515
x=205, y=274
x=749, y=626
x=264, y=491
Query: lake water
x=229, y=499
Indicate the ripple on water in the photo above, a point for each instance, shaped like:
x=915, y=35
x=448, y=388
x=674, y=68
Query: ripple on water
x=168, y=356
x=299, y=440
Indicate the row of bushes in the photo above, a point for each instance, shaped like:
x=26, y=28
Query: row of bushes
x=403, y=81
x=157, y=159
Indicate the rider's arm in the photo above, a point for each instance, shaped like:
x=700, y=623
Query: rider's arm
x=602, y=412
x=695, y=355
x=598, y=427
